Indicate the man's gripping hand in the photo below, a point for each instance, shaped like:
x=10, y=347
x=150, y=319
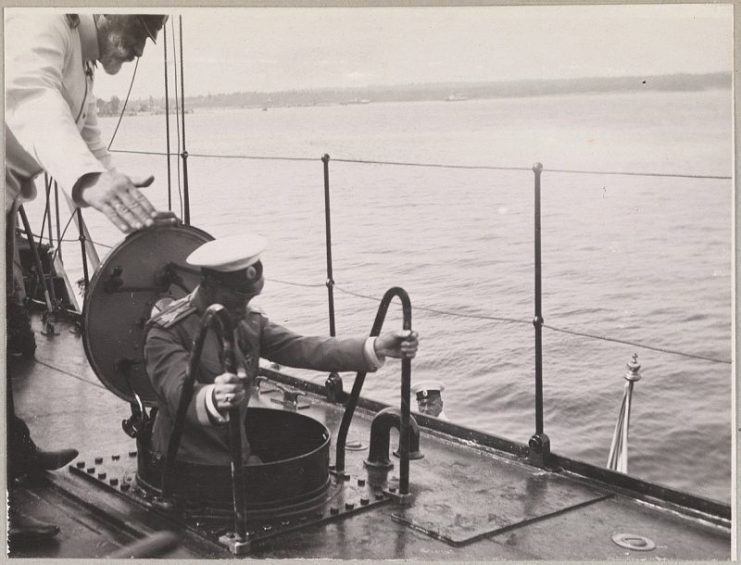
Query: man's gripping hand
x=228, y=392
x=401, y=343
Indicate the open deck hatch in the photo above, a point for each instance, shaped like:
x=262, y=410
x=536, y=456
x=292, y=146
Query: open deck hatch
x=291, y=488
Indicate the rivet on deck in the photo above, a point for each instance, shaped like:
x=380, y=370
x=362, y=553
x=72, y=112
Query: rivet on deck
x=361, y=482
x=334, y=510
x=349, y=506
x=132, y=453
x=91, y=470
x=101, y=475
x=80, y=464
x=115, y=457
x=125, y=486
x=364, y=501
x=113, y=482
x=98, y=460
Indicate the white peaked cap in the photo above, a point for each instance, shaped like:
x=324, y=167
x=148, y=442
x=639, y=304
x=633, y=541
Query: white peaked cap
x=228, y=254
x=423, y=388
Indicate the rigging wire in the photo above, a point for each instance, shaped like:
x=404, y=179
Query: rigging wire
x=68, y=373
x=437, y=165
x=58, y=248
x=184, y=157
x=177, y=111
x=42, y=238
x=123, y=110
x=529, y=322
x=635, y=344
x=167, y=121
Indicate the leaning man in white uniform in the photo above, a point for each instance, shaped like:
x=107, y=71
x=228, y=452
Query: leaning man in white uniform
x=51, y=126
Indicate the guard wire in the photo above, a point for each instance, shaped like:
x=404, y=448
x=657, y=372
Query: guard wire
x=442, y=165
x=46, y=238
x=123, y=110
x=68, y=374
x=177, y=112
x=528, y=323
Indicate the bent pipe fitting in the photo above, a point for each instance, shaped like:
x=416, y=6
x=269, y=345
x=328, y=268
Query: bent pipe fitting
x=380, y=438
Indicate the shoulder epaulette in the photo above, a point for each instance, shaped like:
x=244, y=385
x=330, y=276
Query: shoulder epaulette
x=256, y=310
x=173, y=313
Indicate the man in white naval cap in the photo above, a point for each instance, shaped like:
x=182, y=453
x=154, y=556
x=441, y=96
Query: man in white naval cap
x=232, y=276
x=429, y=398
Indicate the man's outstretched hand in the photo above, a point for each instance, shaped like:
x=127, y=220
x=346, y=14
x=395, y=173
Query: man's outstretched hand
x=119, y=198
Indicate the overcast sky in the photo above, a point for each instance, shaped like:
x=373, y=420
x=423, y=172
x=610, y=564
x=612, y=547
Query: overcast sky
x=267, y=49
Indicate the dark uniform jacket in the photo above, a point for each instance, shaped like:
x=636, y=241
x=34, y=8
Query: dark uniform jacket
x=167, y=353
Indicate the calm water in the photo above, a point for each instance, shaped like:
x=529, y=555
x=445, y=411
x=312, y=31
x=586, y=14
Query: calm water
x=642, y=259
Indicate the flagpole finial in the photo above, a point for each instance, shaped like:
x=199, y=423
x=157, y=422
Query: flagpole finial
x=634, y=368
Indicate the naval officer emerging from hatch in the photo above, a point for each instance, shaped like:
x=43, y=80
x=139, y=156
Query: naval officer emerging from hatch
x=430, y=398
x=232, y=275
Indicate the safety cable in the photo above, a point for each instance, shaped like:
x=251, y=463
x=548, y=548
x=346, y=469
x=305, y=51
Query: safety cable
x=438, y=165
x=123, y=110
x=61, y=237
x=67, y=373
x=443, y=312
x=635, y=344
x=529, y=323
x=42, y=238
x=177, y=112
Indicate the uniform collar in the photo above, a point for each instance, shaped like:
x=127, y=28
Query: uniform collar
x=88, y=38
x=197, y=300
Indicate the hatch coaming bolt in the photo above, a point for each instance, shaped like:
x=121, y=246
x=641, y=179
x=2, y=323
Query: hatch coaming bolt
x=237, y=545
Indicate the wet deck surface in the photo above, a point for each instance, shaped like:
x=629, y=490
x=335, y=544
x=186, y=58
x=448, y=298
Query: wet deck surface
x=468, y=504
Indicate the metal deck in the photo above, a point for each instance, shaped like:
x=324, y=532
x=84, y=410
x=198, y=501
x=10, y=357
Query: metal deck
x=469, y=502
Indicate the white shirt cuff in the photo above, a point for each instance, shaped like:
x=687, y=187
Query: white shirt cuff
x=205, y=407
x=369, y=350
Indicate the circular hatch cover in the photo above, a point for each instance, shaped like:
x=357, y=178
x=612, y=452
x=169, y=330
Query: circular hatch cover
x=146, y=269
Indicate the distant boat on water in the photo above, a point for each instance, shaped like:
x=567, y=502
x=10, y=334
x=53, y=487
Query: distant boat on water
x=455, y=98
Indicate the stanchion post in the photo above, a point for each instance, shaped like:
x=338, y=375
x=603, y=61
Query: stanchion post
x=539, y=444
x=328, y=232
x=333, y=385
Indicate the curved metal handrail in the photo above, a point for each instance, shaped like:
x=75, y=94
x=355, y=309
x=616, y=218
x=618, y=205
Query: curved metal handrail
x=406, y=378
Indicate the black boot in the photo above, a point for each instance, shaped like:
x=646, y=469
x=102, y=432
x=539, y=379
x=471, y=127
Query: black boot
x=52, y=460
x=21, y=339
x=34, y=463
x=24, y=531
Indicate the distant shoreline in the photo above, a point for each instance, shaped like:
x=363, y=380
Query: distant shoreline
x=450, y=92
